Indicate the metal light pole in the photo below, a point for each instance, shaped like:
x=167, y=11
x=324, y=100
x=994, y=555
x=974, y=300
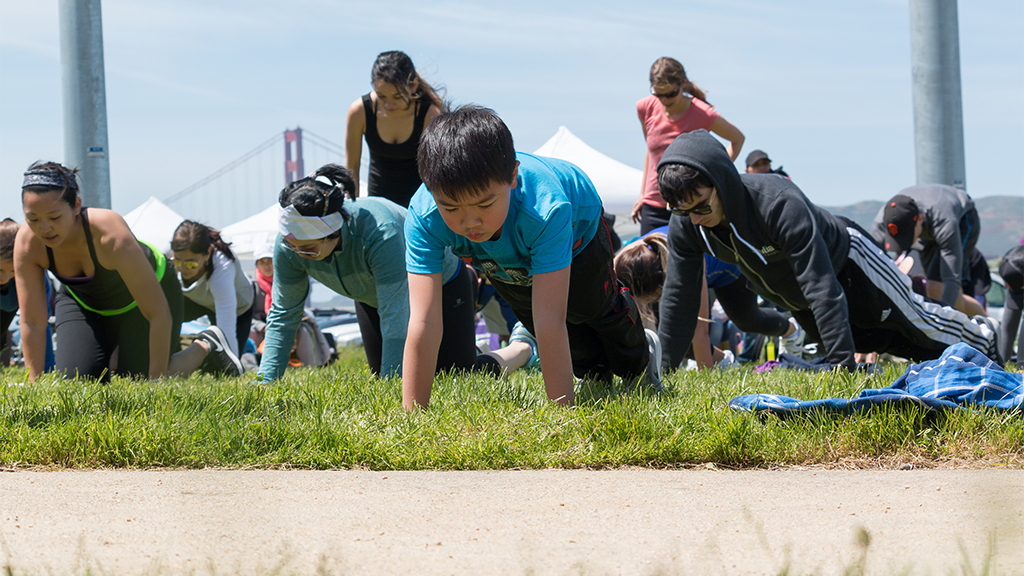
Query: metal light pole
x=938, y=104
x=85, y=100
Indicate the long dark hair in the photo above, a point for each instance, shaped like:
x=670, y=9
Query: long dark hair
x=311, y=197
x=640, y=266
x=396, y=68
x=197, y=238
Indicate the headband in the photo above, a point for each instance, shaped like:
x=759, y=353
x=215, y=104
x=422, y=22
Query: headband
x=295, y=226
x=48, y=178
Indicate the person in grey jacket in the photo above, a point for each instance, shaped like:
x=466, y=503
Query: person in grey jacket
x=838, y=284
x=945, y=221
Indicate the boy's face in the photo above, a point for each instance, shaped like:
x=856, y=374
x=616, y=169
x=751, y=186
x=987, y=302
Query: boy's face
x=480, y=217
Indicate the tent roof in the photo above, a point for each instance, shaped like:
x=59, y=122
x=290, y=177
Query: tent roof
x=247, y=235
x=617, y=183
x=154, y=222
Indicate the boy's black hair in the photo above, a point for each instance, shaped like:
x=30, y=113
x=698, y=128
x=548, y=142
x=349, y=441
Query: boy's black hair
x=678, y=183
x=464, y=151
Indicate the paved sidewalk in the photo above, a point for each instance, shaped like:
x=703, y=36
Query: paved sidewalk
x=632, y=521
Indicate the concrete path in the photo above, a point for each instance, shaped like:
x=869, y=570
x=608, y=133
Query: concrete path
x=515, y=522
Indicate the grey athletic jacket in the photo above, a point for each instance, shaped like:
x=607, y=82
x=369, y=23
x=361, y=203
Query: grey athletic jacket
x=943, y=208
x=788, y=249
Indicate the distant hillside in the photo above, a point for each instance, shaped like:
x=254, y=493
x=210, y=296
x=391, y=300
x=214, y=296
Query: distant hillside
x=1002, y=221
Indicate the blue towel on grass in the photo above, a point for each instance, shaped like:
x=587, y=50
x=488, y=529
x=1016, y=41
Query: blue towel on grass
x=961, y=378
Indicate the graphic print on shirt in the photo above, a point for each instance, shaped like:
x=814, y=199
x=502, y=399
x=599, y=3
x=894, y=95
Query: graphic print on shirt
x=494, y=271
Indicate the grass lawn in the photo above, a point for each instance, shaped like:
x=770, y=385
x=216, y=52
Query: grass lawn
x=341, y=417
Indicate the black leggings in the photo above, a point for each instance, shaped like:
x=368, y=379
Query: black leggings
x=604, y=327
x=5, y=322
x=242, y=326
x=85, y=340
x=458, y=345
x=652, y=217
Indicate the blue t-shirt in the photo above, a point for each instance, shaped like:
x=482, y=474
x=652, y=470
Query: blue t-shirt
x=553, y=214
x=718, y=273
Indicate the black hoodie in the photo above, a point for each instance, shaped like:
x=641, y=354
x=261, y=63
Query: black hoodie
x=788, y=249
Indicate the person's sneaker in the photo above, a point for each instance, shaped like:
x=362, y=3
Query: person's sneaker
x=652, y=375
x=521, y=334
x=993, y=325
x=727, y=360
x=220, y=360
x=794, y=343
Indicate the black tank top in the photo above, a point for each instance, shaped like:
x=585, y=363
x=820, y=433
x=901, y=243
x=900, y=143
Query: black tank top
x=393, y=172
x=103, y=292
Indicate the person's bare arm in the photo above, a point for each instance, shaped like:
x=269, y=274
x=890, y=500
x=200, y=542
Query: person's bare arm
x=550, y=300
x=634, y=214
x=30, y=279
x=431, y=114
x=426, y=327
x=701, y=341
x=355, y=127
x=726, y=130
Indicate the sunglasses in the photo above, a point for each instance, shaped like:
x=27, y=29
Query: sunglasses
x=301, y=252
x=186, y=264
x=702, y=209
x=667, y=95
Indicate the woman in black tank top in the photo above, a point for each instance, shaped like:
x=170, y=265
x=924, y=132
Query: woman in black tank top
x=117, y=293
x=391, y=118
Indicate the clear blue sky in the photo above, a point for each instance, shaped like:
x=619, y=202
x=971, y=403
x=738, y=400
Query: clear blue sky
x=823, y=87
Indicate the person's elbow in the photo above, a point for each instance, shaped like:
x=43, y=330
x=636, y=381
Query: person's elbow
x=161, y=316
x=548, y=323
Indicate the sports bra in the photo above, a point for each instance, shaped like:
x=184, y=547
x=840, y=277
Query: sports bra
x=104, y=292
x=393, y=173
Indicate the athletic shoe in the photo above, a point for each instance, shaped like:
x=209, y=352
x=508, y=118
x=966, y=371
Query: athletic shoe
x=521, y=334
x=728, y=360
x=220, y=360
x=652, y=375
x=993, y=325
x=794, y=343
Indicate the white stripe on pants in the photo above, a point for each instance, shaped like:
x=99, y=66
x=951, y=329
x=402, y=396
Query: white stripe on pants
x=941, y=324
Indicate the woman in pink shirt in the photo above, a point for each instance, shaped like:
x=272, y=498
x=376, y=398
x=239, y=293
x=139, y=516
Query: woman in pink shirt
x=674, y=107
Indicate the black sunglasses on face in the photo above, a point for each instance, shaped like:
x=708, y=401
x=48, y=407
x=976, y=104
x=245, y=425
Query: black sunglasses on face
x=702, y=209
x=667, y=95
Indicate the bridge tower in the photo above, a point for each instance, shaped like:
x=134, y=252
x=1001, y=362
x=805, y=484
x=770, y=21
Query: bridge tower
x=293, y=169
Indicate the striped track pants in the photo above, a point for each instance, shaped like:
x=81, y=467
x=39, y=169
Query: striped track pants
x=881, y=300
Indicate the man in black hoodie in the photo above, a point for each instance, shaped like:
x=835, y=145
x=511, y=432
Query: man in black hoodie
x=840, y=287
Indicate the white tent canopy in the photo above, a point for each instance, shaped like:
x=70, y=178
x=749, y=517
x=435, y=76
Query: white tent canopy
x=617, y=183
x=246, y=235
x=154, y=222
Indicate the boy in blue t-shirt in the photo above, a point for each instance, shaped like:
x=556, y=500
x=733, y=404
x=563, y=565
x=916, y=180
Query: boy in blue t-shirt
x=533, y=226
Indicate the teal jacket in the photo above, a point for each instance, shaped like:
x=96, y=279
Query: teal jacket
x=367, y=266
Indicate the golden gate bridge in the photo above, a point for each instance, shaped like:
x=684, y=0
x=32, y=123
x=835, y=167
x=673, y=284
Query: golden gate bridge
x=253, y=181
